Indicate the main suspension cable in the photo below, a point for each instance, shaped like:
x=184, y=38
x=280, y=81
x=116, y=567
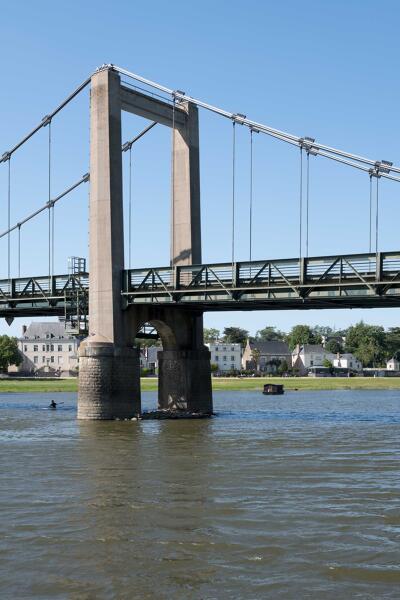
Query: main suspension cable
x=46, y=206
x=284, y=136
x=45, y=119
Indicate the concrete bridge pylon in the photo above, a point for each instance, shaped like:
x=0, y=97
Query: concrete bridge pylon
x=109, y=371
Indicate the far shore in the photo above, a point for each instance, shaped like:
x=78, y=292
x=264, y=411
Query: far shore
x=150, y=384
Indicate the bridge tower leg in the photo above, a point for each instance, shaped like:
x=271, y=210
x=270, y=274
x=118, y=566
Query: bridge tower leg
x=109, y=372
x=184, y=370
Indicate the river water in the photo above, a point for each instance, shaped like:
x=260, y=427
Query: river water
x=287, y=497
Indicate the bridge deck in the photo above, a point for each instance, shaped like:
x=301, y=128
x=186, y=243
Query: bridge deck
x=347, y=281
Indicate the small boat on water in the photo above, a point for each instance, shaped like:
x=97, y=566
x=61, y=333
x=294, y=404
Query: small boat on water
x=273, y=389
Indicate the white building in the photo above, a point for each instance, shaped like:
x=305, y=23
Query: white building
x=310, y=355
x=228, y=357
x=347, y=361
x=149, y=357
x=47, y=349
x=393, y=365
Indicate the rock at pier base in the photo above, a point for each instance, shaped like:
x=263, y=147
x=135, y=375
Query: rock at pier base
x=173, y=414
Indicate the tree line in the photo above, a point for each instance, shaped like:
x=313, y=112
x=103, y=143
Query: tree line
x=372, y=345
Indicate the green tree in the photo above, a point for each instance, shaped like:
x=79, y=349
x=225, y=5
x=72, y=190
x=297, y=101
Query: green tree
x=320, y=330
x=235, y=335
x=393, y=342
x=302, y=334
x=214, y=367
x=147, y=342
x=333, y=346
x=327, y=363
x=9, y=353
x=367, y=343
x=283, y=367
x=211, y=335
x=270, y=333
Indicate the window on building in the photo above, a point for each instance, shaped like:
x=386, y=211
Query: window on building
x=232, y=358
x=216, y=358
x=35, y=359
x=224, y=359
x=25, y=348
x=47, y=348
x=43, y=359
x=59, y=348
x=232, y=366
x=44, y=348
x=51, y=347
x=52, y=359
x=216, y=348
x=70, y=348
x=311, y=362
x=35, y=347
x=47, y=336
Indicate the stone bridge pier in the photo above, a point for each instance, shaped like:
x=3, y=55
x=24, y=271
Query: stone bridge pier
x=184, y=362
x=109, y=366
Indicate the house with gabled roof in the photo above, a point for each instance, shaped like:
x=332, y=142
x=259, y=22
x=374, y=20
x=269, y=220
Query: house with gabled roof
x=265, y=356
x=305, y=356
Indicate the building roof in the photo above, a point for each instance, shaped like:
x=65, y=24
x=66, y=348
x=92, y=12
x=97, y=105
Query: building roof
x=309, y=348
x=271, y=347
x=40, y=331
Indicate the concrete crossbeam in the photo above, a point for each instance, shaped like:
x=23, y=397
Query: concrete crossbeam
x=150, y=108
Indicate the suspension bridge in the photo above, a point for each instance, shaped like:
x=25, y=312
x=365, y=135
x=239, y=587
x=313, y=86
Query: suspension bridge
x=113, y=306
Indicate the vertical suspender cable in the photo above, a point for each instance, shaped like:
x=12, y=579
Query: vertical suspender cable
x=49, y=199
x=233, y=192
x=377, y=215
x=370, y=213
x=130, y=209
x=9, y=217
x=251, y=196
x=301, y=201
x=307, y=199
x=19, y=250
x=173, y=184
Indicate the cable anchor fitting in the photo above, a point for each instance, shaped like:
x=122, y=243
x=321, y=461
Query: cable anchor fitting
x=46, y=120
x=105, y=67
x=6, y=156
x=308, y=144
x=127, y=146
x=178, y=95
x=239, y=118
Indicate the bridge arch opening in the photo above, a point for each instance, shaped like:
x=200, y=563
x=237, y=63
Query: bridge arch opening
x=152, y=337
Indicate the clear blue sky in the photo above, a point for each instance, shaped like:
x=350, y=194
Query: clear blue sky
x=322, y=69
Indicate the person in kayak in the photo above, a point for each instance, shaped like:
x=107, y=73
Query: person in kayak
x=53, y=404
